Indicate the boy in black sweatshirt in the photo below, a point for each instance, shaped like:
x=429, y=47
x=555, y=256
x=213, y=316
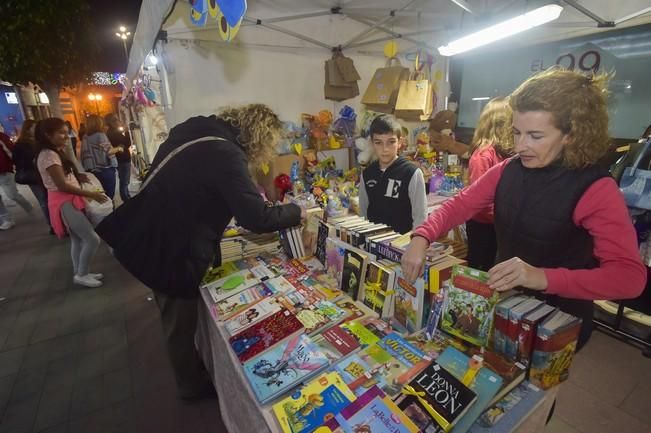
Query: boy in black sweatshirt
x=392, y=189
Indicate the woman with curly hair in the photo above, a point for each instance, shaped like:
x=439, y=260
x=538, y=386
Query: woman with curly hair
x=492, y=143
x=563, y=230
x=168, y=235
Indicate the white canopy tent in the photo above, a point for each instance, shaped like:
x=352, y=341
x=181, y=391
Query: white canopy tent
x=277, y=57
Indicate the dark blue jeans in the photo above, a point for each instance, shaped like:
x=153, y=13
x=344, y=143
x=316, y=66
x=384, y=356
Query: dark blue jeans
x=40, y=193
x=124, y=172
x=106, y=177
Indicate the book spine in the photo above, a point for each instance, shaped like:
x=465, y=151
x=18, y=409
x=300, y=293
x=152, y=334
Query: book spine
x=526, y=338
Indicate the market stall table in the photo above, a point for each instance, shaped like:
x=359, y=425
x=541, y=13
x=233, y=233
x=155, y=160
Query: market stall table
x=240, y=410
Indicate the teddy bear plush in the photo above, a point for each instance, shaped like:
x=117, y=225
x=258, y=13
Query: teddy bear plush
x=441, y=134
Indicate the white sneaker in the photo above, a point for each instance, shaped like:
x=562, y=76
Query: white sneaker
x=96, y=276
x=86, y=281
x=7, y=225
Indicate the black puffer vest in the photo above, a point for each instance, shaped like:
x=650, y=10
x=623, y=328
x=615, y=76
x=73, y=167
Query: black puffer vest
x=533, y=221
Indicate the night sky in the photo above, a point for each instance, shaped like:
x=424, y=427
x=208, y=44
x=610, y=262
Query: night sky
x=108, y=16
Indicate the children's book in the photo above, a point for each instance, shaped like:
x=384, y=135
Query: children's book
x=501, y=321
x=357, y=374
x=381, y=328
x=485, y=384
x=276, y=371
x=325, y=284
x=470, y=305
x=312, y=264
x=311, y=295
x=308, y=407
x=436, y=398
x=357, y=310
x=325, y=231
x=512, y=373
x=527, y=331
x=310, y=232
x=335, y=251
x=554, y=349
x=215, y=273
x=354, y=271
x=251, y=315
x=231, y=284
x=507, y=414
x=279, y=285
x=320, y=316
x=378, y=289
x=434, y=346
x=373, y=412
x=361, y=333
x=227, y=308
x=265, y=334
x=511, y=342
x=344, y=343
x=409, y=301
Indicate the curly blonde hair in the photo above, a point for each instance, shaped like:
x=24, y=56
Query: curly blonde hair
x=260, y=130
x=494, y=127
x=578, y=104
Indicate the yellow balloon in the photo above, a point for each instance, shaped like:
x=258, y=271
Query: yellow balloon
x=391, y=49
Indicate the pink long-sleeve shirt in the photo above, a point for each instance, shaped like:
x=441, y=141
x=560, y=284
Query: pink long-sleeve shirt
x=480, y=162
x=601, y=211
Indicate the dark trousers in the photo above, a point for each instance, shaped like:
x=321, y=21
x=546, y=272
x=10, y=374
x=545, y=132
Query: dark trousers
x=124, y=173
x=106, y=177
x=179, y=317
x=482, y=245
x=40, y=193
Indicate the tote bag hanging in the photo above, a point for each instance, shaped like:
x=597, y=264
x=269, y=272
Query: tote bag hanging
x=635, y=183
x=382, y=91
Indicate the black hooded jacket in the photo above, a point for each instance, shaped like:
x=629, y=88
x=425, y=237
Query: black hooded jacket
x=169, y=233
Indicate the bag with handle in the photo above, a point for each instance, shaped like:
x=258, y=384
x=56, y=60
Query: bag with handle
x=96, y=211
x=635, y=183
x=337, y=93
x=414, y=98
x=382, y=91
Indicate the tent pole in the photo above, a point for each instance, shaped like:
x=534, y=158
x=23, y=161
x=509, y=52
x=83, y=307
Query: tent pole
x=633, y=15
x=288, y=32
x=463, y=5
x=396, y=36
x=587, y=12
x=396, y=13
x=375, y=25
x=295, y=17
x=390, y=32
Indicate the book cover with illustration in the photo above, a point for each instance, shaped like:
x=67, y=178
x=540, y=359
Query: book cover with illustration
x=231, y=284
x=311, y=296
x=435, y=345
x=341, y=340
x=512, y=373
x=227, y=308
x=381, y=328
x=265, y=334
x=215, y=273
x=360, y=332
x=527, y=331
x=325, y=231
x=279, y=285
x=501, y=321
x=485, y=384
x=357, y=310
x=554, y=349
x=507, y=414
x=378, y=289
x=251, y=315
x=320, y=316
x=356, y=374
x=408, y=304
x=313, y=404
x=435, y=399
x=276, y=371
x=373, y=412
x=325, y=285
x=335, y=251
x=516, y=314
x=470, y=305
x=353, y=272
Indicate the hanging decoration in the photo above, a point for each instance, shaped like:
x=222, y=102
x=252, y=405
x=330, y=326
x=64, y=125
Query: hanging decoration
x=228, y=14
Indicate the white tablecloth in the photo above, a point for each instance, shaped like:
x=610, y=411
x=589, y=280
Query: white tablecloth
x=241, y=411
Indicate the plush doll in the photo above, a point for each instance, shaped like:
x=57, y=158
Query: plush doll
x=441, y=134
x=365, y=151
x=283, y=185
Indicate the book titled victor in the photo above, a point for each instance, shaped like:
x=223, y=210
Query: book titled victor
x=265, y=334
x=435, y=399
x=278, y=370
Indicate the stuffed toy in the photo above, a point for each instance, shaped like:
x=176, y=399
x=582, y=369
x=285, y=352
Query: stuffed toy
x=365, y=151
x=441, y=134
x=283, y=184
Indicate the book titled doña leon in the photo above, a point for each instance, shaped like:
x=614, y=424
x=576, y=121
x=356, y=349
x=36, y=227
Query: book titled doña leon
x=470, y=304
x=275, y=372
x=265, y=334
x=435, y=399
x=310, y=406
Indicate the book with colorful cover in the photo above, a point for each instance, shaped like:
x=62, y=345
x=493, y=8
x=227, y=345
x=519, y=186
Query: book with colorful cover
x=501, y=321
x=311, y=295
x=554, y=349
x=278, y=370
x=361, y=333
x=354, y=271
x=215, y=273
x=516, y=313
x=434, y=346
x=409, y=301
x=325, y=284
x=379, y=327
x=507, y=414
x=511, y=372
x=357, y=310
x=308, y=407
x=310, y=232
x=235, y=304
x=357, y=375
x=312, y=264
x=435, y=399
x=377, y=292
x=373, y=412
x=251, y=315
x=335, y=251
x=470, y=305
x=265, y=334
x=325, y=231
x=527, y=332
x=344, y=343
x=231, y=284
x=320, y=316
x=485, y=384
x=279, y=285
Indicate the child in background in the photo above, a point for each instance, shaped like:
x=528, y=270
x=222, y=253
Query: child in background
x=491, y=144
x=392, y=189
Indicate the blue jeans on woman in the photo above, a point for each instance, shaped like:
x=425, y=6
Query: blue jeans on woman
x=40, y=193
x=106, y=177
x=124, y=172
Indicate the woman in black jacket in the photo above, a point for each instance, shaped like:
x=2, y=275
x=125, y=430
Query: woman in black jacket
x=24, y=156
x=169, y=233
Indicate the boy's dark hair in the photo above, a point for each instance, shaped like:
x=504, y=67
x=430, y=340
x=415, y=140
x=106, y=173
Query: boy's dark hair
x=385, y=124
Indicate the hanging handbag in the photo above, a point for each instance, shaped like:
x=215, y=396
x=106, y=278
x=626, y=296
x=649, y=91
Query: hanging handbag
x=635, y=183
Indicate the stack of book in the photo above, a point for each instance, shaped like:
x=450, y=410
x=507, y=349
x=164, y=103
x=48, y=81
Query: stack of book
x=247, y=244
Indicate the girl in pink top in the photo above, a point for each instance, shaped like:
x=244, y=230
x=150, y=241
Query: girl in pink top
x=66, y=198
x=563, y=230
x=491, y=144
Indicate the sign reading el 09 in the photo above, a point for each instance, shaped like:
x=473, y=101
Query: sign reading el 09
x=588, y=61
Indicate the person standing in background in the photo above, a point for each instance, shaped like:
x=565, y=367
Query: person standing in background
x=98, y=156
x=491, y=144
x=25, y=162
x=120, y=140
x=72, y=136
x=8, y=183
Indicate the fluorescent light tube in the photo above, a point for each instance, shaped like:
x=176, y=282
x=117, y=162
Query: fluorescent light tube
x=503, y=30
x=481, y=98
